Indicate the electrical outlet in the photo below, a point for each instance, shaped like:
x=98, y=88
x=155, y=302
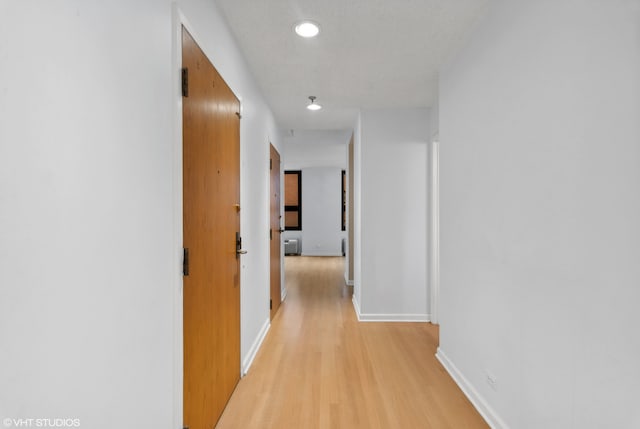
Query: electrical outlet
x=491, y=380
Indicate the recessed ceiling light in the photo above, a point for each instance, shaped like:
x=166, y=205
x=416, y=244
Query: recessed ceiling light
x=313, y=105
x=307, y=29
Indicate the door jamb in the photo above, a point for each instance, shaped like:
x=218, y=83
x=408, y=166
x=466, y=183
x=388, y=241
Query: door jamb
x=178, y=20
x=434, y=254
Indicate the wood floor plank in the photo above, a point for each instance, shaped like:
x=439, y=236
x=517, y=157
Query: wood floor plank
x=321, y=368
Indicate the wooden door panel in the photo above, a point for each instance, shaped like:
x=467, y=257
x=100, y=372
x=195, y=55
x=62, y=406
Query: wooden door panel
x=211, y=298
x=276, y=240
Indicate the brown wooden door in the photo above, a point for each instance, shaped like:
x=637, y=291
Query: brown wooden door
x=211, y=194
x=275, y=225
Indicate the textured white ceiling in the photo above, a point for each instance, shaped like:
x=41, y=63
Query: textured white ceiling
x=369, y=54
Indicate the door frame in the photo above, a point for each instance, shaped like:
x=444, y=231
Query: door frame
x=178, y=21
x=434, y=229
x=350, y=270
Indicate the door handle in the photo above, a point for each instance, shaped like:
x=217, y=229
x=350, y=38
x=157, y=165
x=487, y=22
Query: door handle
x=239, y=250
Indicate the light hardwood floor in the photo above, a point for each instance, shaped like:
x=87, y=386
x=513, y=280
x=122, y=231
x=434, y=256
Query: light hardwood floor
x=320, y=368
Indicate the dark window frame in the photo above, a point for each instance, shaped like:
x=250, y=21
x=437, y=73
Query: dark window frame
x=297, y=208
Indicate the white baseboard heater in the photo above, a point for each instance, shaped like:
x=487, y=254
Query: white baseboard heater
x=292, y=246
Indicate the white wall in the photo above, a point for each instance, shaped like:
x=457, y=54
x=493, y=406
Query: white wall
x=321, y=155
x=540, y=239
x=321, y=212
x=309, y=139
x=90, y=300
x=299, y=156
x=391, y=181
x=86, y=258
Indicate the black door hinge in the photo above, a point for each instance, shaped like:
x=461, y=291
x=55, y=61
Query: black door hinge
x=271, y=234
x=185, y=82
x=185, y=262
x=270, y=304
x=271, y=164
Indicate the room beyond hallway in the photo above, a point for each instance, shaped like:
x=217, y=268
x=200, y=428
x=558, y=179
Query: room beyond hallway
x=321, y=368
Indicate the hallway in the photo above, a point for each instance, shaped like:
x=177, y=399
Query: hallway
x=320, y=368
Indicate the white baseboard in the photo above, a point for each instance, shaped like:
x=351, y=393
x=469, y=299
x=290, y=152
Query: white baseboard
x=393, y=317
x=356, y=307
x=488, y=414
x=377, y=317
x=248, y=360
x=283, y=294
x=347, y=281
x=320, y=254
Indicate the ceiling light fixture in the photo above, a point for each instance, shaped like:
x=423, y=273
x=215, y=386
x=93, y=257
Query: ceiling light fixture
x=307, y=29
x=313, y=105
